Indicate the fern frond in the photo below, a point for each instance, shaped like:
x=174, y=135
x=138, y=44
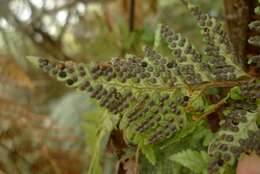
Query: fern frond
x=150, y=95
x=133, y=88
x=154, y=98
x=219, y=51
x=239, y=132
x=187, y=59
x=255, y=40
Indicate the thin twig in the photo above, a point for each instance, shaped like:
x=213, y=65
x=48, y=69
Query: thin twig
x=132, y=15
x=212, y=110
x=45, y=11
x=64, y=28
x=137, y=154
x=220, y=84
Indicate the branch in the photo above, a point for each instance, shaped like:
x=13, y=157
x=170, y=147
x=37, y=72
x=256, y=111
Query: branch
x=213, y=109
x=132, y=15
x=45, y=11
x=223, y=84
x=64, y=28
x=48, y=45
x=65, y=6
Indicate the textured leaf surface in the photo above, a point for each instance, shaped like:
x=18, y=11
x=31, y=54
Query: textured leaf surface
x=159, y=101
x=238, y=132
x=195, y=161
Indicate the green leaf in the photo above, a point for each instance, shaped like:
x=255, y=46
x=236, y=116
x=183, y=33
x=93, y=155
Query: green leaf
x=149, y=153
x=245, y=127
x=129, y=93
x=99, y=139
x=235, y=94
x=197, y=102
x=33, y=60
x=184, y=133
x=257, y=10
x=194, y=160
x=157, y=39
x=95, y=167
x=209, y=137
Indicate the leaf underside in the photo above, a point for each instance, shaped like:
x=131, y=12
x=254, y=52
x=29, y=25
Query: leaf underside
x=155, y=96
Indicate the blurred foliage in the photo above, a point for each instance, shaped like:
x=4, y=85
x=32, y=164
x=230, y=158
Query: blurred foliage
x=30, y=143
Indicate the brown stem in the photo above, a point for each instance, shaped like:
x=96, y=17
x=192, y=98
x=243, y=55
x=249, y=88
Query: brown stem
x=220, y=84
x=216, y=107
x=132, y=15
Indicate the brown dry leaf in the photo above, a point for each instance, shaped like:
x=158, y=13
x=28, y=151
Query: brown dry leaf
x=15, y=85
x=13, y=74
x=11, y=109
x=22, y=135
x=128, y=165
x=116, y=143
x=65, y=164
x=131, y=167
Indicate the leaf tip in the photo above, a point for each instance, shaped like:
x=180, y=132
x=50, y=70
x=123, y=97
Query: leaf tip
x=32, y=59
